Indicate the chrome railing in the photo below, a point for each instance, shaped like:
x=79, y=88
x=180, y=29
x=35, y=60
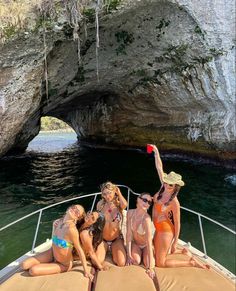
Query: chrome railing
x=129, y=191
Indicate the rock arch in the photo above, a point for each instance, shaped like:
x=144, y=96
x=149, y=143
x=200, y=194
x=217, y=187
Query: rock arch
x=163, y=77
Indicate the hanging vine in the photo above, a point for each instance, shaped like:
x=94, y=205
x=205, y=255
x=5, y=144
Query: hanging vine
x=46, y=11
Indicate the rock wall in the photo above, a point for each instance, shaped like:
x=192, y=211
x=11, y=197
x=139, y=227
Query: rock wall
x=166, y=75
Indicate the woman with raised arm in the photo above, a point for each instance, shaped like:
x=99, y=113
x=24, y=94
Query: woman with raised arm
x=90, y=231
x=112, y=205
x=59, y=257
x=166, y=219
x=139, y=235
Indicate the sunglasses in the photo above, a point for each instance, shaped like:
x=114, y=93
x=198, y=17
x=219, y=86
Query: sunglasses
x=145, y=200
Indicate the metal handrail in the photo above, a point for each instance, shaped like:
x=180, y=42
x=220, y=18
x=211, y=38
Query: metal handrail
x=128, y=194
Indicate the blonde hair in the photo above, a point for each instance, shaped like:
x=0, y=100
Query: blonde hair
x=82, y=215
x=110, y=186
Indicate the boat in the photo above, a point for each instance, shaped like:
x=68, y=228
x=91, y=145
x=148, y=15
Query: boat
x=132, y=278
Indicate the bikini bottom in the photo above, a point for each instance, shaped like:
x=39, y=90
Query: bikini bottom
x=109, y=242
x=142, y=246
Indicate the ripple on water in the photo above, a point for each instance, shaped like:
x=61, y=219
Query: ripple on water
x=231, y=179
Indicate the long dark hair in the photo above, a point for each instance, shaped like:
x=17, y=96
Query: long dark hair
x=174, y=194
x=95, y=230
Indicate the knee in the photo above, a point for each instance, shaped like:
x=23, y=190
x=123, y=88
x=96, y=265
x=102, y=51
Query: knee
x=137, y=260
x=160, y=263
x=33, y=271
x=121, y=262
x=25, y=265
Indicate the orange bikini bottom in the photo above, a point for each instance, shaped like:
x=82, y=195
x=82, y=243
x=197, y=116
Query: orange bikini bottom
x=164, y=226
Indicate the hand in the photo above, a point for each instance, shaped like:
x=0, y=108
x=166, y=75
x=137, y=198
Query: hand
x=155, y=149
x=56, y=223
x=89, y=275
x=129, y=261
x=173, y=248
x=105, y=267
x=117, y=190
x=151, y=273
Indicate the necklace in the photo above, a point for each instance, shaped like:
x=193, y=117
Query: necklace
x=109, y=208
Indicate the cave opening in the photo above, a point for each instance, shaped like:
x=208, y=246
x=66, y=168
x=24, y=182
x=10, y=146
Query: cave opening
x=54, y=135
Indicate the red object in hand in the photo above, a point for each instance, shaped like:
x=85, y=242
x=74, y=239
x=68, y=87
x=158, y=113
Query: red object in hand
x=149, y=148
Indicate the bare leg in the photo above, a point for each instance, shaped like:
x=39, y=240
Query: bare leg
x=145, y=257
x=45, y=257
x=162, y=243
x=101, y=251
x=136, y=253
x=48, y=269
x=118, y=252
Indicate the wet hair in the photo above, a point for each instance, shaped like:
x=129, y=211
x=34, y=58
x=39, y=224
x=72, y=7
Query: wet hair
x=95, y=230
x=174, y=194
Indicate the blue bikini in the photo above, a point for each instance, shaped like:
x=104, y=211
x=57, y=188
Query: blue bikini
x=61, y=243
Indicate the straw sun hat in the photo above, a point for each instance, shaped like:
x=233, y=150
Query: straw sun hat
x=173, y=178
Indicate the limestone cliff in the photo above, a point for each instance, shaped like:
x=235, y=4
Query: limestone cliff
x=166, y=76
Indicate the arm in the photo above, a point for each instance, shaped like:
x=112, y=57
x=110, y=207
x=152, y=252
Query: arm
x=128, y=238
x=123, y=202
x=86, y=239
x=99, y=205
x=151, y=261
x=74, y=237
x=176, y=214
x=158, y=163
x=55, y=225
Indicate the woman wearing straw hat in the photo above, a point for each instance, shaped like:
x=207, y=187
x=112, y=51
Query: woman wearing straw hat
x=166, y=219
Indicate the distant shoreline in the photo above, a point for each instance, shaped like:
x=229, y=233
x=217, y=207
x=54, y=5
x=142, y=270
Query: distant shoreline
x=57, y=131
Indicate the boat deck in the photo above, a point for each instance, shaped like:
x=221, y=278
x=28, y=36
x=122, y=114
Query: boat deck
x=123, y=278
x=130, y=278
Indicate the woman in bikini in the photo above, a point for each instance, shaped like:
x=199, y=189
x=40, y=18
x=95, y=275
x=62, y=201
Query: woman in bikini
x=90, y=231
x=112, y=205
x=59, y=257
x=139, y=235
x=166, y=219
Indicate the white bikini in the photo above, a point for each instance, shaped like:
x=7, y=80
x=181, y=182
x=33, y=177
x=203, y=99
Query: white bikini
x=140, y=230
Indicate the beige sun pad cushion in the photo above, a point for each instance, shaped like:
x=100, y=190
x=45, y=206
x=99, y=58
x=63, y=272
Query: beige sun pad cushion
x=70, y=281
x=191, y=279
x=129, y=278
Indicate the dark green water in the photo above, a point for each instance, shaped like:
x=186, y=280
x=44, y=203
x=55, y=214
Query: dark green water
x=37, y=179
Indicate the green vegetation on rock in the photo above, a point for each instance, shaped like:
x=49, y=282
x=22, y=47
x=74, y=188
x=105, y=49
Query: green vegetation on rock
x=49, y=123
x=124, y=39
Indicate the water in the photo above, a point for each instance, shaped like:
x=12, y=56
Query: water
x=57, y=166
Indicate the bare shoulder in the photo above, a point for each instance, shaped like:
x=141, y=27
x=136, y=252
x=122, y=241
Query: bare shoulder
x=85, y=236
x=175, y=203
x=130, y=213
x=147, y=219
x=155, y=197
x=99, y=205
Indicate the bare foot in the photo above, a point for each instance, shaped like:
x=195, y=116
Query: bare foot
x=197, y=264
x=187, y=252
